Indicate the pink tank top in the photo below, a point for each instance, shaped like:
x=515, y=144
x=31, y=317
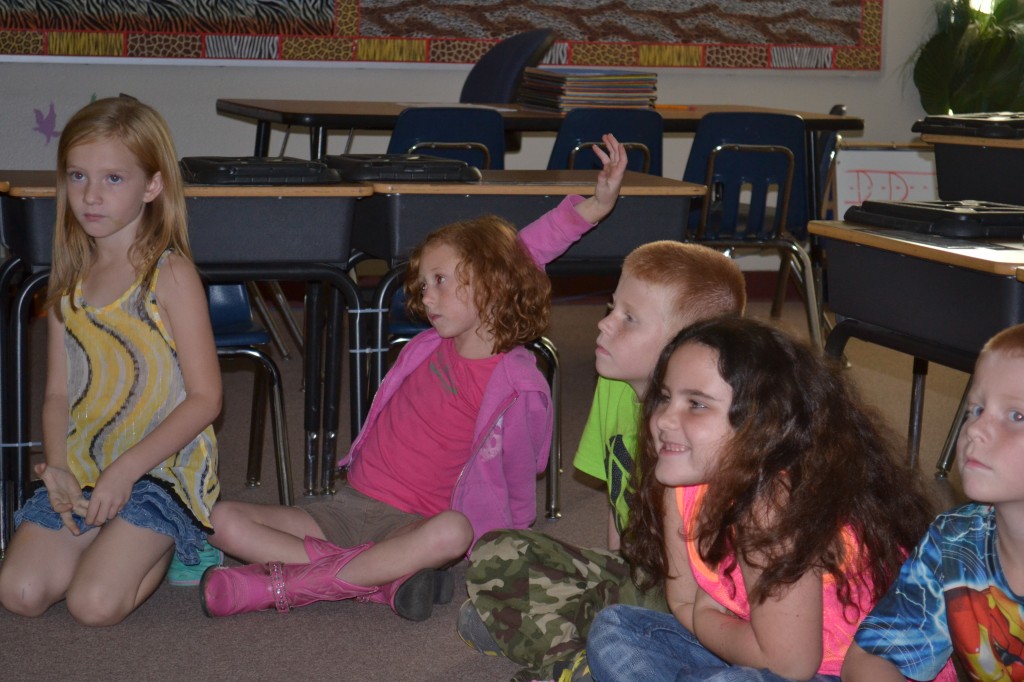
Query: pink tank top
x=730, y=592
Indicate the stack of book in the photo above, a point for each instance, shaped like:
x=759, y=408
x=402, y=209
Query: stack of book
x=563, y=89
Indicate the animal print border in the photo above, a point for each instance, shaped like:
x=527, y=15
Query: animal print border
x=728, y=34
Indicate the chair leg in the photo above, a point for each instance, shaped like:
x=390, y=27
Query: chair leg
x=260, y=386
x=545, y=348
x=267, y=382
x=256, y=297
x=945, y=462
x=284, y=462
x=284, y=308
x=803, y=275
x=781, y=285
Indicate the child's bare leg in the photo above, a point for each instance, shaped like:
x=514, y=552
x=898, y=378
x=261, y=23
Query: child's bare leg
x=120, y=569
x=39, y=566
x=430, y=543
x=258, y=533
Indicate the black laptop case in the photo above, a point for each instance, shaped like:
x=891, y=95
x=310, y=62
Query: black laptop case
x=965, y=219
x=255, y=170
x=401, y=168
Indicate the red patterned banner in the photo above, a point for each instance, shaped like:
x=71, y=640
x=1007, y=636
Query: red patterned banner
x=758, y=34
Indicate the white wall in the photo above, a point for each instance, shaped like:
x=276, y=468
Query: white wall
x=186, y=93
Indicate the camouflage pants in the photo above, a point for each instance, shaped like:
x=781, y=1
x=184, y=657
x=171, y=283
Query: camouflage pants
x=538, y=595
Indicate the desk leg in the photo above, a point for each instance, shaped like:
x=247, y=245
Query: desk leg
x=262, y=147
x=19, y=381
x=8, y=270
x=317, y=142
x=332, y=392
x=312, y=384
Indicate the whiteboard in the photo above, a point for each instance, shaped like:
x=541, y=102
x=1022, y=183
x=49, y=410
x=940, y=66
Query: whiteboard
x=884, y=173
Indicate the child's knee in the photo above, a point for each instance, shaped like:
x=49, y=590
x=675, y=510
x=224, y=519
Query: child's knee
x=224, y=518
x=22, y=597
x=452, y=533
x=91, y=605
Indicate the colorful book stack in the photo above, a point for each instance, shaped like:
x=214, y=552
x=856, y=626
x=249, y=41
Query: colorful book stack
x=562, y=89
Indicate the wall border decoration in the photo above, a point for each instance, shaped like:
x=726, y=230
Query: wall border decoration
x=728, y=34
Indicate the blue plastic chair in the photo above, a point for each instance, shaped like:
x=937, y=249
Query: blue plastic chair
x=496, y=77
x=237, y=335
x=475, y=135
x=641, y=131
x=747, y=161
x=785, y=130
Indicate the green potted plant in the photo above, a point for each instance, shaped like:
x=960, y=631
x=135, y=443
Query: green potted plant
x=975, y=60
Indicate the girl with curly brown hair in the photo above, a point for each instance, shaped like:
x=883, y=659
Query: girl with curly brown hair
x=772, y=506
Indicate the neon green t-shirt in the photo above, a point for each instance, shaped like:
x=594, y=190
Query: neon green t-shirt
x=609, y=440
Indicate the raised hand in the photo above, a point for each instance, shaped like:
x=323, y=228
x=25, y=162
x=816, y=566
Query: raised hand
x=609, y=180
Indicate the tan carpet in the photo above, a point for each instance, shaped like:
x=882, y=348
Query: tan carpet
x=169, y=638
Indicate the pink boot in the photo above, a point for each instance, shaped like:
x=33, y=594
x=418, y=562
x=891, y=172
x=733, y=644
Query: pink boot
x=413, y=596
x=257, y=587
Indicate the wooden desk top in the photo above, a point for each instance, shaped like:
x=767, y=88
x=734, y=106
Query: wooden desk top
x=993, y=257
x=974, y=141
x=40, y=184
x=545, y=182
x=339, y=114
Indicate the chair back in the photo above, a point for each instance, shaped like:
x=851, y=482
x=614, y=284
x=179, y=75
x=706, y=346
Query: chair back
x=738, y=170
x=640, y=130
x=496, y=77
x=231, y=316
x=742, y=179
x=828, y=141
x=475, y=135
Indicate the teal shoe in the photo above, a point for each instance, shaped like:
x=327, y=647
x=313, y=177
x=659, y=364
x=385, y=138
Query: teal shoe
x=189, y=576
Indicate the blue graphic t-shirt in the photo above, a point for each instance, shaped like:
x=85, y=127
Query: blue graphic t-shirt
x=951, y=597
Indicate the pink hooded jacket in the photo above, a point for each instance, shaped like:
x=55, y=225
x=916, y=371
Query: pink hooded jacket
x=512, y=435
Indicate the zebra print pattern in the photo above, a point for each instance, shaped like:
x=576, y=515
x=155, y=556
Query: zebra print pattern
x=242, y=47
x=253, y=17
x=802, y=57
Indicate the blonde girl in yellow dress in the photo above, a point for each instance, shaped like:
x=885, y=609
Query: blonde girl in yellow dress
x=133, y=383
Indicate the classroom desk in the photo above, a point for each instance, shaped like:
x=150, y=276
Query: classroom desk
x=321, y=116
x=935, y=298
x=236, y=233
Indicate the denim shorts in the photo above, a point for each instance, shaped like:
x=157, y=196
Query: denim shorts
x=150, y=506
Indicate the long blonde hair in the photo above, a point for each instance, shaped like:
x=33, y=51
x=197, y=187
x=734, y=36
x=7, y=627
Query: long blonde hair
x=164, y=223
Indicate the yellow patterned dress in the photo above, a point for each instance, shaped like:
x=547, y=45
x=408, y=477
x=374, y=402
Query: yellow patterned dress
x=123, y=380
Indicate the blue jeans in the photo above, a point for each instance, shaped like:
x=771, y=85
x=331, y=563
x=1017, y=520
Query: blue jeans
x=633, y=643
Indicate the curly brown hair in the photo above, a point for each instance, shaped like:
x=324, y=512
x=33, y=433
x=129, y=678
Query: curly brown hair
x=511, y=292
x=806, y=451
